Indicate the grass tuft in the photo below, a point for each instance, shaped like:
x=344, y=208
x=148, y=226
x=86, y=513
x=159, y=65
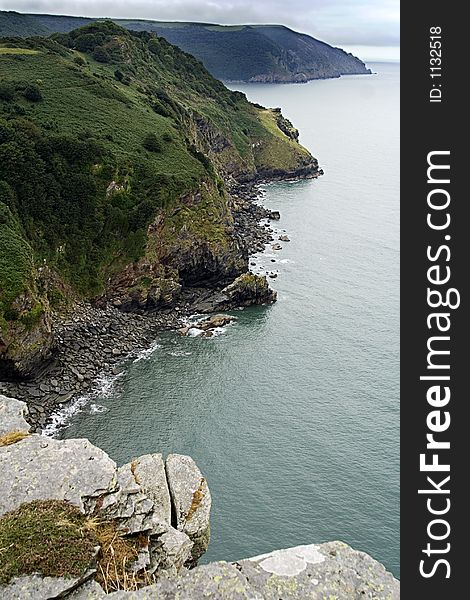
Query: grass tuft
x=7, y=439
x=54, y=539
x=47, y=537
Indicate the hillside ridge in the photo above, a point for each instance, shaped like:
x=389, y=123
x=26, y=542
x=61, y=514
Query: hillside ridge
x=244, y=53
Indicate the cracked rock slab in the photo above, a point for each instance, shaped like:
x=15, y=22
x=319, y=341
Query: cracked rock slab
x=191, y=501
x=170, y=552
x=149, y=473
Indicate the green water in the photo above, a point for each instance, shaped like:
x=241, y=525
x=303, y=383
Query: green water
x=292, y=412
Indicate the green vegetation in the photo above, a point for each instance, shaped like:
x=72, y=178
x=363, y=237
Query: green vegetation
x=17, y=51
x=55, y=539
x=230, y=53
x=102, y=131
x=48, y=537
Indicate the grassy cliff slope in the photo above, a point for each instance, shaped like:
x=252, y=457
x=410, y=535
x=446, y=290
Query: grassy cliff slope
x=115, y=150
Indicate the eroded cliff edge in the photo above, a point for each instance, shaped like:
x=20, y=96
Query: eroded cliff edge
x=64, y=504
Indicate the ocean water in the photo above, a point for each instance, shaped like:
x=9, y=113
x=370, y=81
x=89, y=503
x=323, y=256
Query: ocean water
x=292, y=411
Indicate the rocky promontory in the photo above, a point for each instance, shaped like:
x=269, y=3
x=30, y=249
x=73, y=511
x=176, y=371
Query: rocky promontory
x=75, y=525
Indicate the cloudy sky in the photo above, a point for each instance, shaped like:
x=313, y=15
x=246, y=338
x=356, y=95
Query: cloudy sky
x=369, y=28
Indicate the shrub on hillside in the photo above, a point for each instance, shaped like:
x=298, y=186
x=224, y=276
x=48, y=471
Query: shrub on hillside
x=80, y=61
x=101, y=55
x=7, y=91
x=32, y=93
x=152, y=143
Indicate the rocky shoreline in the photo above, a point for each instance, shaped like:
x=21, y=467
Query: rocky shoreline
x=92, y=342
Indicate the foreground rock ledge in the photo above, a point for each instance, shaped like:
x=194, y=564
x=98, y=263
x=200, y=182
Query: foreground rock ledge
x=140, y=496
x=315, y=572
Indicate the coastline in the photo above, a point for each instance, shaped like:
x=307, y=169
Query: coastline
x=95, y=342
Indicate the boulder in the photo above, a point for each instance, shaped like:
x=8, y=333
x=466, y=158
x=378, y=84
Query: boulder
x=215, y=321
x=191, y=501
x=284, y=238
x=274, y=215
x=149, y=473
x=249, y=289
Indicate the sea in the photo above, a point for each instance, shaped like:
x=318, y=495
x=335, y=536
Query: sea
x=292, y=411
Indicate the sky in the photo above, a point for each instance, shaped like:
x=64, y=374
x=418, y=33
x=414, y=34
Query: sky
x=368, y=28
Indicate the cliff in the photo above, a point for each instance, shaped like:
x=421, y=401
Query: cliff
x=257, y=53
x=118, y=157
x=73, y=524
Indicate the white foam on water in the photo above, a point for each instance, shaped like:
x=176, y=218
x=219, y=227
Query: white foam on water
x=98, y=408
x=147, y=353
x=179, y=353
x=60, y=419
x=218, y=331
x=195, y=332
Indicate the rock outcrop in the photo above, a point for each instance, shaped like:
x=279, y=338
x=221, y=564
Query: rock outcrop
x=248, y=289
x=165, y=507
x=191, y=501
x=331, y=570
x=142, y=498
x=12, y=415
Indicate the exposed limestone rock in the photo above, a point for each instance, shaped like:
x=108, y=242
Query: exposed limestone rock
x=320, y=571
x=191, y=501
x=149, y=473
x=12, y=415
x=39, y=468
x=35, y=587
x=136, y=495
x=170, y=552
x=129, y=505
x=332, y=570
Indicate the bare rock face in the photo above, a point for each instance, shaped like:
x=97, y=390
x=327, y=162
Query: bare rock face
x=316, y=572
x=12, y=415
x=39, y=468
x=319, y=571
x=27, y=341
x=170, y=552
x=136, y=496
x=249, y=289
x=35, y=587
x=191, y=501
x=149, y=473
